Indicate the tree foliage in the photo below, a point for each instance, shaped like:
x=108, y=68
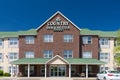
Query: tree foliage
x=117, y=49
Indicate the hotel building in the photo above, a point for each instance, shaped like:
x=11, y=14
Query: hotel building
x=57, y=48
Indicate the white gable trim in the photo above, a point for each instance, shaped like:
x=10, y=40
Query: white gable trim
x=58, y=57
x=53, y=16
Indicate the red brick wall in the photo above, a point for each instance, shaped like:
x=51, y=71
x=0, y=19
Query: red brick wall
x=94, y=47
x=58, y=45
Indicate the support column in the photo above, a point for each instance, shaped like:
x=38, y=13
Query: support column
x=86, y=70
x=45, y=71
x=17, y=70
x=69, y=70
x=28, y=70
x=11, y=70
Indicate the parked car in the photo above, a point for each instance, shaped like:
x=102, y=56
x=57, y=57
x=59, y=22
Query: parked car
x=108, y=75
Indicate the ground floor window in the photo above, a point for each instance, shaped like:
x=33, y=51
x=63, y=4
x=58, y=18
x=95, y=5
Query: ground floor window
x=42, y=70
x=103, y=68
x=57, y=70
x=14, y=69
x=73, y=69
x=89, y=69
x=31, y=70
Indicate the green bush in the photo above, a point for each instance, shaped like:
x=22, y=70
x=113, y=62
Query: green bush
x=7, y=74
x=1, y=72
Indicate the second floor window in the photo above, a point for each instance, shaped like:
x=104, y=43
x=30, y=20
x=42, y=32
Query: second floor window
x=29, y=54
x=68, y=54
x=13, y=42
x=13, y=56
x=1, y=57
x=104, y=42
x=48, y=53
x=29, y=39
x=1, y=42
x=87, y=40
x=87, y=55
x=48, y=38
x=104, y=57
x=68, y=38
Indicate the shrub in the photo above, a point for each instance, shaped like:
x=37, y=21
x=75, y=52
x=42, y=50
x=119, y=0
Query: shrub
x=7, y=74
x=1, y=72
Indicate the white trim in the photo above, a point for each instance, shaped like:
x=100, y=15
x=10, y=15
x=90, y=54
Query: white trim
x=58, y=12
x=45, y=70
x=69, y=70
x=58, y=57
x=86, y=70
x=28, y=70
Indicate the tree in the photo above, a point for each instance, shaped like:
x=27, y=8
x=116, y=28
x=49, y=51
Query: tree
x=117, y=49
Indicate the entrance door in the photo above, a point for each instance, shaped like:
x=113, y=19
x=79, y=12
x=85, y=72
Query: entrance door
x=57, y=71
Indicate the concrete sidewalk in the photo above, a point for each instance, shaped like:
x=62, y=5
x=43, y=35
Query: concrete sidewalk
x=49, y=78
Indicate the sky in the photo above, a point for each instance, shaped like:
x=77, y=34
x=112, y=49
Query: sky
x=17, y=15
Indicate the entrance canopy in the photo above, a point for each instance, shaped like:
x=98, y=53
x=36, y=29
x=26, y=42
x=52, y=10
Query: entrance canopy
x=56, y=59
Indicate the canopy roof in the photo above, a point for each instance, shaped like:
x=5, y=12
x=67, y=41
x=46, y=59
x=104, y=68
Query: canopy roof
x=90, y=61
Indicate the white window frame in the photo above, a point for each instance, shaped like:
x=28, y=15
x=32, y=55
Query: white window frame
x=29, y=54
x=104, y=42
x=87, y=55
x=89, y=69
x=13, y=42
x=29, y=39
x=13, y=55
x=1, y=67
x=68, y=38
x=1, y=43
x=14, y=69
x=73, y=69
x=32, y=69
x=68, y=53
x=48, y=53
x=48, y=38
x=87, y=39
x=42, y=70
x=1, y=57
x=104, y=56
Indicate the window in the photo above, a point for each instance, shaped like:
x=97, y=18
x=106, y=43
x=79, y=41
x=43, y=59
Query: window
x=103, y=68
x=29, y=54
x=89, y=69
x=1, y=42
x=73, y=69
x=104, y=57
x=14, y=69
x=68, y=54
x=31, y=70
x=87, y=39
x=13, y=56
x=48, y=53
x=1, y=57
x=48, y=38
x=42, y=70
x=68, y=38
x=1, y=68
x=104, y=42
x=29, y=39
x=87, y=55
x=13, y=42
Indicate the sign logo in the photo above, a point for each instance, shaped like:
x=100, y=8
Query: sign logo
x=58, y=25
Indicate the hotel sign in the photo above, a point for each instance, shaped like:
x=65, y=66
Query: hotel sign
x=58, y=25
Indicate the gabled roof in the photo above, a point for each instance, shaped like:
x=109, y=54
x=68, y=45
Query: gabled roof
x=58, y=12
x=57, y=56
